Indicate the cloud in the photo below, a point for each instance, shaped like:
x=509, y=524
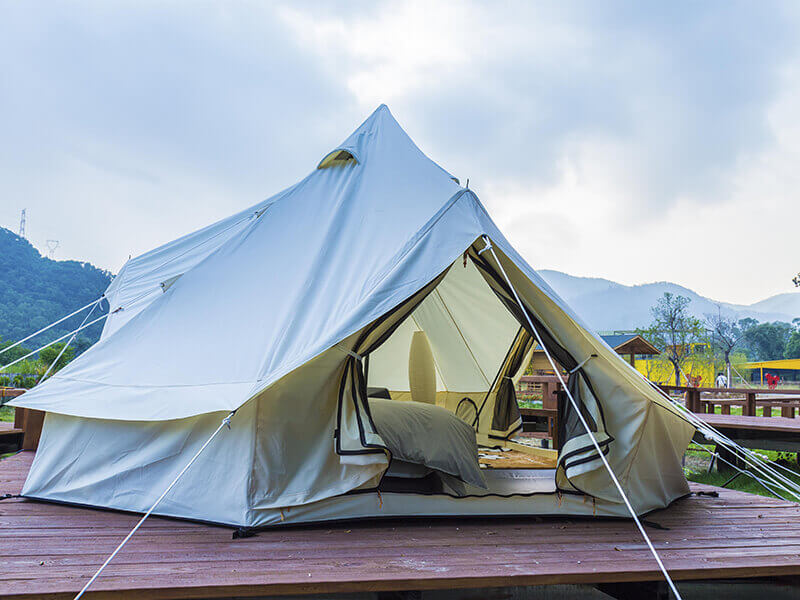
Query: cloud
x=637, y=142
x=166, y=119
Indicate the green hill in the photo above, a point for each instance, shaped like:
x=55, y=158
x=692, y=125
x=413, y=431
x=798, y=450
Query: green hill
x=35, y=291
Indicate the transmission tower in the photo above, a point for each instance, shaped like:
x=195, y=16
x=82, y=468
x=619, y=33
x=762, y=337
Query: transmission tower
x=51, y=247
x=22, y=221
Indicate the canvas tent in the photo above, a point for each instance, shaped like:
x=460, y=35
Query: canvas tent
x=288, y=311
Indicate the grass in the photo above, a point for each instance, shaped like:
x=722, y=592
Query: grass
x=7, y=414
x=696, y=468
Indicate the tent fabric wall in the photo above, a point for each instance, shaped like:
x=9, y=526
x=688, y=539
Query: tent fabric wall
x=261, y=313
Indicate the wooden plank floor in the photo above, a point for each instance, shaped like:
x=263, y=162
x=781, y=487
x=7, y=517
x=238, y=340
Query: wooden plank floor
x=49, y=551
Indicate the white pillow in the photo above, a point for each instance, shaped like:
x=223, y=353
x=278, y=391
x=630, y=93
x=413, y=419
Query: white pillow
x=428, y=435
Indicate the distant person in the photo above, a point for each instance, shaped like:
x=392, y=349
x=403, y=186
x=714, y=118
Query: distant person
x=722, y=381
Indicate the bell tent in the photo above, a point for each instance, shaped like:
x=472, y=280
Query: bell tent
x=367, y=326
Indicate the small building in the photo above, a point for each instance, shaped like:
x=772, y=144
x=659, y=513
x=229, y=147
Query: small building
x=655, y=366
x=788, y=369
x=630, y=345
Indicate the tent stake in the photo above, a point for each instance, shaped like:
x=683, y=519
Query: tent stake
x=225, y=422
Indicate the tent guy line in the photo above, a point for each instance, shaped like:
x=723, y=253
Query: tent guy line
x=64, y=348
x=63, y=337
x=53, y=324
x=749, y=456
x=579, y=413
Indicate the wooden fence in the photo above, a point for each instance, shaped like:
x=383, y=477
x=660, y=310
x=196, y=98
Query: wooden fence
x=705, y=400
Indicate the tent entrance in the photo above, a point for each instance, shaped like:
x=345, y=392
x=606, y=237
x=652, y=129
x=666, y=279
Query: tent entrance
x=454, y=345
x=461, y=343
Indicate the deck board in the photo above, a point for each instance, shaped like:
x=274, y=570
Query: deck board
x=49, y=550
x=776, y=424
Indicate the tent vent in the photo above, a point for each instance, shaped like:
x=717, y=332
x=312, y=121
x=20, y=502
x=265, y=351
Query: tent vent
x=165, y=285
x=338, y=158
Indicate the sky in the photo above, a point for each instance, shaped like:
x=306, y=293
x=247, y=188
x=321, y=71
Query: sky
x=635, y=141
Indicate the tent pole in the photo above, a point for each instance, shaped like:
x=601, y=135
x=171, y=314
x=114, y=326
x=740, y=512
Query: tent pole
x=225, y=422
x=575, y=405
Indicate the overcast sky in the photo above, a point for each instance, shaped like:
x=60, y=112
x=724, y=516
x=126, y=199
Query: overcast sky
x=634, y=141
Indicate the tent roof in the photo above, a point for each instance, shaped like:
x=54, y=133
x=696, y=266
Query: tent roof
x=248, y=300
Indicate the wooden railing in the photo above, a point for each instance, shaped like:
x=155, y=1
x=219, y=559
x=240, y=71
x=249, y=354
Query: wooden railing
x=705, y=400
x=9, y=392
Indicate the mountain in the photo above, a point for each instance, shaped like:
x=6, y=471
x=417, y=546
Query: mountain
x=35, y=291
x=606, y=305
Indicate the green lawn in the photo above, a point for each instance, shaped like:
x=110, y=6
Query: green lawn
x=6, y=413
x=697, y=461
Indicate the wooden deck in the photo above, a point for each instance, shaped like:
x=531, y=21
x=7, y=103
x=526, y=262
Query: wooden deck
x=774, y=433
x=778, y=424
x=49, y=551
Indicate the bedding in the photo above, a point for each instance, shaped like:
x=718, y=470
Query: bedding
x=429, y=435
x=407, y=470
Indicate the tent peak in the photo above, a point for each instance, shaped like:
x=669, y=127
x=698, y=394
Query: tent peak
x=380, y=137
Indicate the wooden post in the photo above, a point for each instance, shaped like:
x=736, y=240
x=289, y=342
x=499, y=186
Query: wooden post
x=552, y=431
x=766, y=411
x=549, y=396
x=19, y=418
x=32, y=424
x=750, y=405
x=787, y=410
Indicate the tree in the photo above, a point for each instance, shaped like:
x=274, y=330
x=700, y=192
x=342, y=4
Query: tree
x=792, y=349
x=768, y=340
x=673, y=330
x=13, y=354
x=49, y=354
x=726, y=335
